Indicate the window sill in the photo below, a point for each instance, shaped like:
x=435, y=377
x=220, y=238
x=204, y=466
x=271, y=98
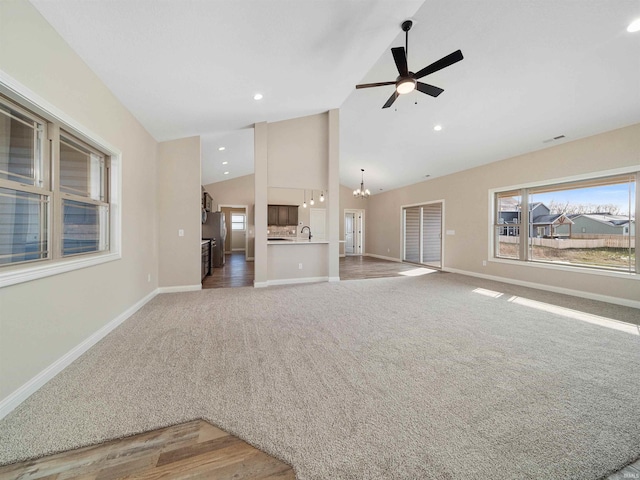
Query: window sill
x=568, y=268
x=48, y=269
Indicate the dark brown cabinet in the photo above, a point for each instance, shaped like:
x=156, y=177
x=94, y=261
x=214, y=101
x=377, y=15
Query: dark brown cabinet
x=206, y=258
x=273, y=215
x=282, y=215
x=293, y=215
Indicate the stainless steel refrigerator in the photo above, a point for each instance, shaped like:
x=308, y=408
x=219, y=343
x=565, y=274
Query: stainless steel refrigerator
x=214, y=227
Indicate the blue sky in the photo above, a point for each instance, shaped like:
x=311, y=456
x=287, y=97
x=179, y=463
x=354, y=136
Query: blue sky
x=610, y=194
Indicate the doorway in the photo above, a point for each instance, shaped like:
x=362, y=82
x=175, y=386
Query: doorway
x=422, y=233
x=237, y=271
x=353, y=232
x=236, y=219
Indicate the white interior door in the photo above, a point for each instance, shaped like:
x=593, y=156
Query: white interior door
x=317, y=223
x=349, y=233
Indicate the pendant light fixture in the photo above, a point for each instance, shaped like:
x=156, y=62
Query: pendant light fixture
x=304, y=204
x=311, y=202
x=361, y=192
x=322, y=197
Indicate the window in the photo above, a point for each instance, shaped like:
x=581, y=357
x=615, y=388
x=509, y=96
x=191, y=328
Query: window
x=55, y=194
x=24, y=196
x=587, y=223
x=85, y=213
x=237, y=221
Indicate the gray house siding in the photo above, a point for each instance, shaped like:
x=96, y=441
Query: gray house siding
x=586, y=225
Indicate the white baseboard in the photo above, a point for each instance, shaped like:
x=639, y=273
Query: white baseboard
x=250, y=259
x=260, y=284
x=181, y=288
x=25, y=391
x=334, y=279
x=237, y=249
x=342, y=255
x=382, y=257
x=291, y=281
x=549, y=288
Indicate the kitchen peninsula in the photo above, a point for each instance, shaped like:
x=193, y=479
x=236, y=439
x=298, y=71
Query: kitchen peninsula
x=297, y=260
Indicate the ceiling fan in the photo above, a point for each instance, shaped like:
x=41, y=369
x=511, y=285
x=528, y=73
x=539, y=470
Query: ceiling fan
x=408, y=81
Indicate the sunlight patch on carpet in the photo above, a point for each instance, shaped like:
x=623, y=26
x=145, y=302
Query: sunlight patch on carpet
x=488, y=293
x=416, y=272
x=577, y=315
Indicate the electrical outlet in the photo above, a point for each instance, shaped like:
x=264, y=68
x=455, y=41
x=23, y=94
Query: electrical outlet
x=148, y=277
x=484, y=263
x=181, y=233
x=299, y=266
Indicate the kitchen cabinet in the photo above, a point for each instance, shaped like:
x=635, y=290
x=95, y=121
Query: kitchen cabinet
x=282, y=215
x=293, y=215
x=273, y=215
x=206, y=258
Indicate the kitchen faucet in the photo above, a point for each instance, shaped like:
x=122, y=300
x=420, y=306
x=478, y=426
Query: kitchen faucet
x=302, y=231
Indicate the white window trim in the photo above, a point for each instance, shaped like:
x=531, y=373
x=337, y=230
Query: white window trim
x=552, y=266
x=28, y=272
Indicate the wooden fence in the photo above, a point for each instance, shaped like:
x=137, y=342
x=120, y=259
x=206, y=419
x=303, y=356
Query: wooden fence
x=604, y=241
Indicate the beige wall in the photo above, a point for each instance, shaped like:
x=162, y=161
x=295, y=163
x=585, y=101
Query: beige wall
x=42, y=320
x=466, y=200
x=237, y=191
x=179, y=203
x=297, y=151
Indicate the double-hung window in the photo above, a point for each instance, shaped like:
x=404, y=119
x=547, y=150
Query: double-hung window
x=238, y=221
x=55, y=193
x=586, y=223
x=25, y=194
x=83, y=189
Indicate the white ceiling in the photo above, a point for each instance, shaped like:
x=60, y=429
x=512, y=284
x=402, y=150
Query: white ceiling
x=533, y=69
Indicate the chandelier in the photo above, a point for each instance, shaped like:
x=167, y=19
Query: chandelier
x=361, y=192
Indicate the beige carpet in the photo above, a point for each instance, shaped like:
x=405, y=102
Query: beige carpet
x=393, y=378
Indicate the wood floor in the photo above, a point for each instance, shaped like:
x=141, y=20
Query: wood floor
x=360, y=267
x=237, y=272
x=194, y=450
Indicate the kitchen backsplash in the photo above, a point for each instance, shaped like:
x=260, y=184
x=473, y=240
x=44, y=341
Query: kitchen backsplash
x=279, y=231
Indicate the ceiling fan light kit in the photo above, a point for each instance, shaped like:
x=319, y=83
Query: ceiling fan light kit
x=407, y=81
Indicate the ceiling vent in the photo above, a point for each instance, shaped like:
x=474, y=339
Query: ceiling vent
x=559, y=137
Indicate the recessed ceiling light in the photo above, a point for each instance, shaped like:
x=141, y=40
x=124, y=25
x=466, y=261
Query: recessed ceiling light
x=224, y=163
x=634, y=26
x=226, y=173
x=257, y=96
x=437, y=128
x=221, y=148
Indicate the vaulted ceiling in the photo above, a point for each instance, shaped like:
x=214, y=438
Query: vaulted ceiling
x=533, y=70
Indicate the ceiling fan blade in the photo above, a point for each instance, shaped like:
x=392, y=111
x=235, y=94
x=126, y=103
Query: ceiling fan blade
x=379, y=84
x=392, y=99
x=440, y=64
x=429, y=89
x=401, y=61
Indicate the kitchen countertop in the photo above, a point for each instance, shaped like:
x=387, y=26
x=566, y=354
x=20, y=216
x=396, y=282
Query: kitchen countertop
x=296, y=241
